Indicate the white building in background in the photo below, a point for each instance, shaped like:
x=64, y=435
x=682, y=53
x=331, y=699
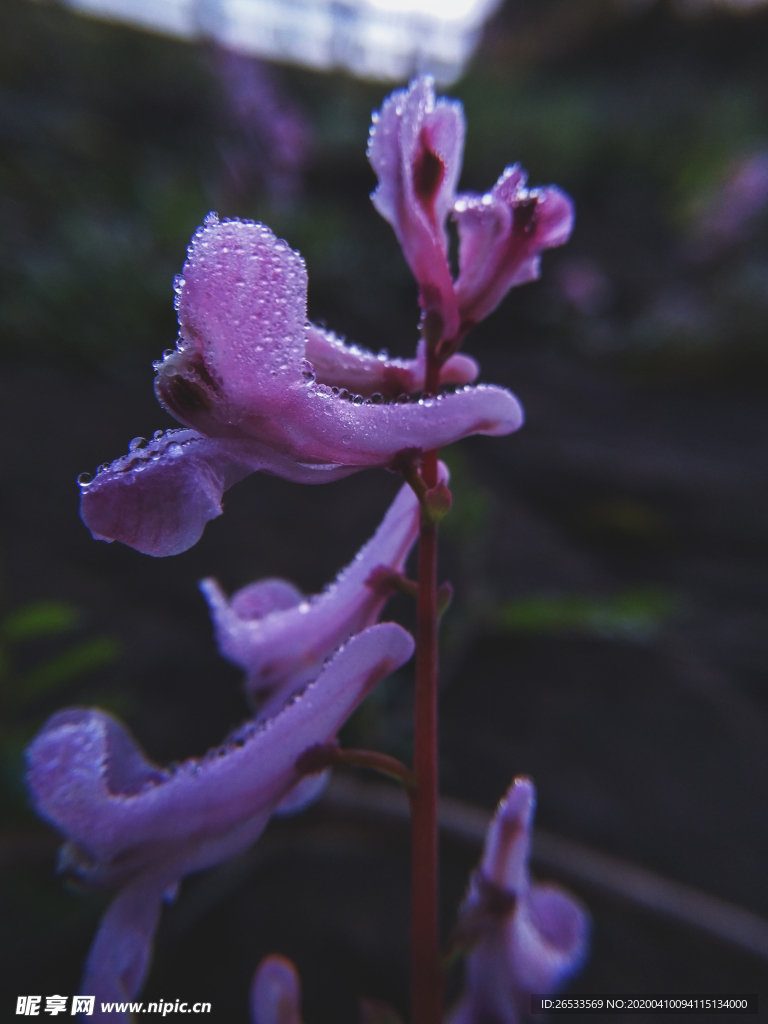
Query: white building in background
x=378, y=39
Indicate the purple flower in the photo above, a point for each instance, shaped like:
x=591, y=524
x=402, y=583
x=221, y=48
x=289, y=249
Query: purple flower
x=281, y=639
x=528, y=938
x=415, y=148
x=276, y=992
x=133, y=824
x=262, y=390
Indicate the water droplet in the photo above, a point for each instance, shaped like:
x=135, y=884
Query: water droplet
x=346, y=439
x=137, y=442
x=84, y=479
x=377, y=398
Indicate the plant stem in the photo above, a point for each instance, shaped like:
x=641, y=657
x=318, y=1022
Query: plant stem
x=426, y=975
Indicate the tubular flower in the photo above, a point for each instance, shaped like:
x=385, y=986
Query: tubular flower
x=415, y=148
x=276, y=992
x=281, y=639
x=528, y=938
x=133, y=824
x=260, y=389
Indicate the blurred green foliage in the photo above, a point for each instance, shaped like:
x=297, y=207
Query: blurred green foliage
x=471, y=501
x=23, y=689
x=635, y=615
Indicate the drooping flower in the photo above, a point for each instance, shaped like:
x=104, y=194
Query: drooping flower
x=133, y=824
x=527, y=937
x=262, y=390
x=281, y=639
x=415, y=148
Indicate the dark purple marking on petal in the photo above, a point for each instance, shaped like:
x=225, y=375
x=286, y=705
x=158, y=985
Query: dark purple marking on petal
x=428, y=175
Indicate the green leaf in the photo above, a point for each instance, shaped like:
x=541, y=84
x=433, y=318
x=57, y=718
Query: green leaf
x=77, y=661
x=44, y=618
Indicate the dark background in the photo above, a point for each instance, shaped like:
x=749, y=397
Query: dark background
x=609, y=634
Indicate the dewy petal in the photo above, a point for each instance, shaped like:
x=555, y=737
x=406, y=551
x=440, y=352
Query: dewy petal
x=363, y=373
x=123, y=815
x=415, y=147
x=241, y=370
x=532, y=937
x=276, y=992
x=501, y=237
x=282, y=648
x=240, y=380
x=132, y=823
x=158, y=498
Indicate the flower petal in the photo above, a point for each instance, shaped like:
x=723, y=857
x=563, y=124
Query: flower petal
x=508, y=841
x=285, y=648
x=548, y=939
x=208, y=808
x=362, y=373
x=531, y=938
x=240, y=379
x=276, y=992
x=120, y=954
x=501, y=236
x=241, y=370
x=158, y=498
x=415, y=147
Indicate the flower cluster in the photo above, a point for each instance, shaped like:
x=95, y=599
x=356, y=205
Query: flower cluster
x=415, y=147
x=258, y=387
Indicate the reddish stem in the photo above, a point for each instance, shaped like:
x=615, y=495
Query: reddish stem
x=426, y=976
